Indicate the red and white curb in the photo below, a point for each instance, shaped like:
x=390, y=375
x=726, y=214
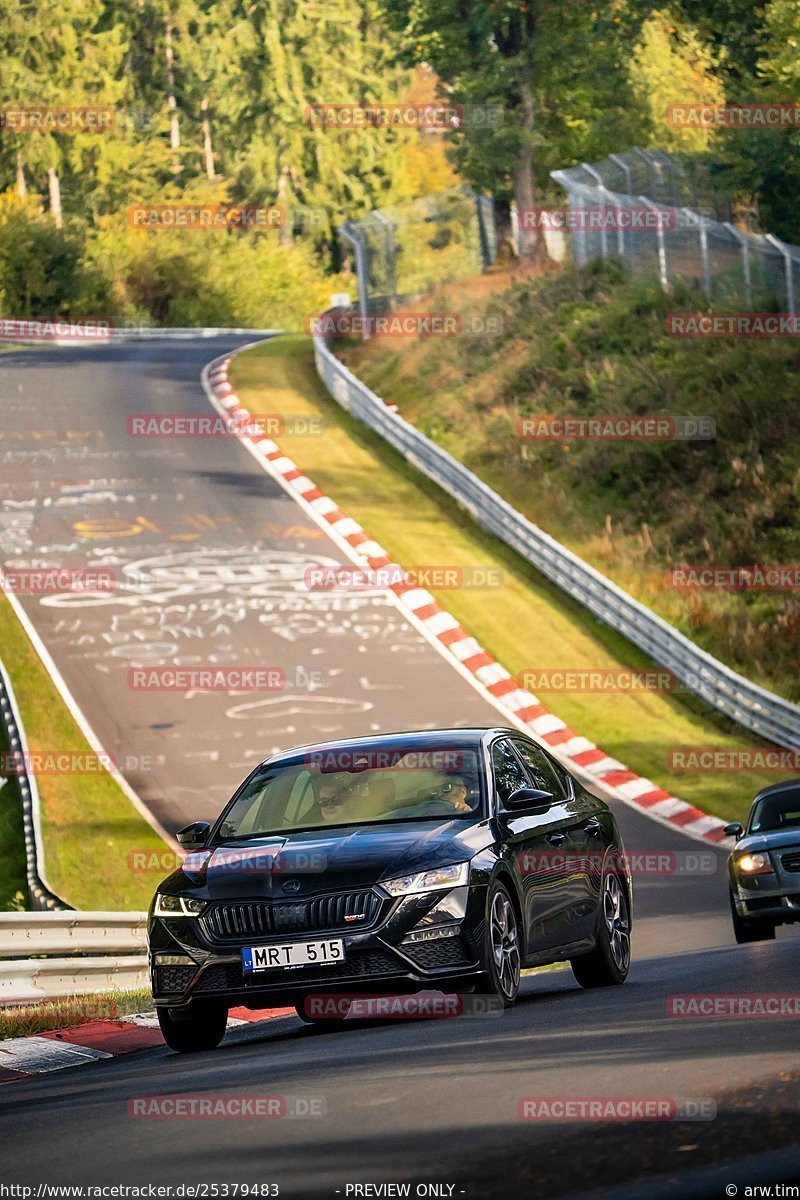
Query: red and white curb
x=56, y=1049
x=462, y=650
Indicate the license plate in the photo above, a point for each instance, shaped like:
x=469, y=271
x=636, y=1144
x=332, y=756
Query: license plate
x=292, y=954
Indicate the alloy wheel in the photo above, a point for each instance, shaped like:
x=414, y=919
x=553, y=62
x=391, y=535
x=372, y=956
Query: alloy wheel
x=615, y=915
x=505, y=944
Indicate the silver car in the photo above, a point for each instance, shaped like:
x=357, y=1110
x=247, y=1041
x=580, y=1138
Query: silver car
x=764, y=866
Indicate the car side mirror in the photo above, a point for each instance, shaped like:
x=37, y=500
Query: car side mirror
x=526, y=798
x=193, y=837
x=734, y=830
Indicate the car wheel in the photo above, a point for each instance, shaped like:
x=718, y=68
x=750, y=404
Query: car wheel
x=750, y=931
x=329, y=1020
x=609, y=962
x=201, y=1028
x=502, y=945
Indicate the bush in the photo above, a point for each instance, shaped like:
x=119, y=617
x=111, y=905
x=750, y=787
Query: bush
x=44, y=270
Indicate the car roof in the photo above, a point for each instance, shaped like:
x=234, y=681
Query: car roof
x=775, y=789
x=472, y=737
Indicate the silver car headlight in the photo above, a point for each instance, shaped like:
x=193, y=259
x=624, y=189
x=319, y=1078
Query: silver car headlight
x=177, y=906
x=754, y=864
x=427, y=881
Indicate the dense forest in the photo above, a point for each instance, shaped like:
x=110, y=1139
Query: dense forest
x=207, y=102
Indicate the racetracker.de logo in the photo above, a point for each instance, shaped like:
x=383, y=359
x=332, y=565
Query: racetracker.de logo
x=259, y=217
x=418, y=1006
x=427, y=117
x=378, y=760
x=206, y=679
x=384, y=116
x=632, y=863
x=597, y=679
x=733, y=116
x=735, y=1005
x=246, y=425
x=400, y=324
x=599, y=218
x=30, y=582
x=365, y=579
x=712, y=759
x=735, y=324
x=222, y=1107
x=57, y=119
x=615, y=1108
x=622, y=428
x=55, y=762
x=751, y=578
x=55, y=329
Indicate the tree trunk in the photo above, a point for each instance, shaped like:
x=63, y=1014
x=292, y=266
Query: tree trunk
x=55, y=196
x=522, y=172
x=208, y=149
x=174, y=127
x=285, y=233
x=22, y=187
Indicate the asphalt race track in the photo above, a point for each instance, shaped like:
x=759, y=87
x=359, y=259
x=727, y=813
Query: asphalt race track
x=209, y=555
x=217, y=553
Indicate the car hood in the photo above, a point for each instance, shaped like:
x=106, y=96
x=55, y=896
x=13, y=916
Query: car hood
x=307, y=863
x=778, y=840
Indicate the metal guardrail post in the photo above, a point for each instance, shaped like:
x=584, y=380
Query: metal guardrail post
x=744, y=243
x=783, y=249
x=390, y=249
x=351, y=233
x=601, y=188
x=704, y=256
x=662, y=248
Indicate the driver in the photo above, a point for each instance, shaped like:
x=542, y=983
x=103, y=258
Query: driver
x=330, y=801
x=453, y=792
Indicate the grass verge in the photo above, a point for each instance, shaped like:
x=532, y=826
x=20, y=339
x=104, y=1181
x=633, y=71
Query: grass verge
x=593, y=342
x=88, y=823
x=526, y=623
x=68, y=1012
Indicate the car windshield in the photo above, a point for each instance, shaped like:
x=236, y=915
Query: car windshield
x=781, y=811
x=347, y=786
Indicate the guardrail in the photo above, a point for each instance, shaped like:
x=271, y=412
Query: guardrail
x=129, y=331
x=750, y=706
x=42, y=895
x=75, y=953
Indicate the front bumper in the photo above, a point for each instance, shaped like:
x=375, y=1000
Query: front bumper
x=187, y=964
x=767, y=898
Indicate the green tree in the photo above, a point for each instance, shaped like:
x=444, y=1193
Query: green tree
x=672, y=65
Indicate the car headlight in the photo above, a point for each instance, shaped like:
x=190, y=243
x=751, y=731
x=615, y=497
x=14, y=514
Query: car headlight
x=177, y=906
x=754, y=864
x=427, y=881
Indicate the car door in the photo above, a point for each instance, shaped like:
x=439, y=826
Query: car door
x=534, y=840
x=577, y=840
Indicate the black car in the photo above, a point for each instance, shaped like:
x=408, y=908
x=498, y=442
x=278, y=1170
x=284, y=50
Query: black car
x=764, y=866
x=435, y=861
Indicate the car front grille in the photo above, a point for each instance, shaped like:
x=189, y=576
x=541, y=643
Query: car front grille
x=321, y=914
x=229, y=977
x=791, y=862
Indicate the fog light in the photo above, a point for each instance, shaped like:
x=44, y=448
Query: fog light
x=174, y=960
x=432, y=935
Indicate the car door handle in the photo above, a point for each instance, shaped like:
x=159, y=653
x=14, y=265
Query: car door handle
x=593, y=827
x=555, y=839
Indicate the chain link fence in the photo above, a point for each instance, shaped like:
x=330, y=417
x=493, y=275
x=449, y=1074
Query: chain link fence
x=401, y=253
x=665, y=216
